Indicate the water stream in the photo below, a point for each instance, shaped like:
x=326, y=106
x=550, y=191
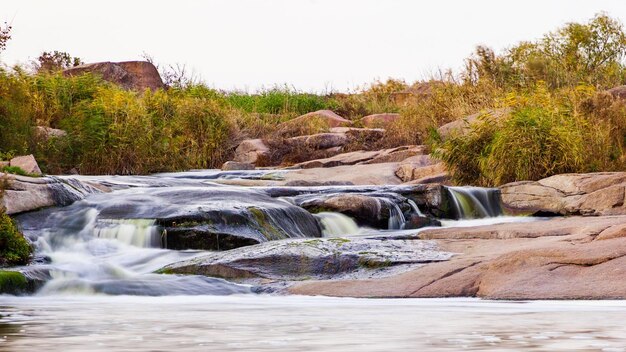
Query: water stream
x=98, y=258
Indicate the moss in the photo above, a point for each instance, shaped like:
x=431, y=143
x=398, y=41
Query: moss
x=268, y=230
x=338, y=240
x=14, y=249
x=371, y=263
x=16, y=170
x=12, y=282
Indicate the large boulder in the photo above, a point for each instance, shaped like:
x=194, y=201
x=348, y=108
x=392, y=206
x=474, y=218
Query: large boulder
x=327, y=258
x=464, y=125
x=568, y=194
x=26, y=163
x=250, y=151
x=379, y=120
x=419, y=168
x=27, y=193
x=365, y=157
x=133, y=75
x=323, y=118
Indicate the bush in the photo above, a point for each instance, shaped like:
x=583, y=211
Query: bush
x=14, y=249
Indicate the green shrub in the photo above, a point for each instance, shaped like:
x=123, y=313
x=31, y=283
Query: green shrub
x=14, y=249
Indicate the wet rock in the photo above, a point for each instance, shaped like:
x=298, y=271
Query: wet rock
x=27, y=193
x=209, y=218
x=379, y=120
x=134, y=75
x=26, y=163
x=250, y=151
x=324, y=258
x=416, y=222
x=367, y=210
x=17, y=283
x=234, y=165
x=568, y=194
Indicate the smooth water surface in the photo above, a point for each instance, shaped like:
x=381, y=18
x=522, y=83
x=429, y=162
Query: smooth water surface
x=295, y=323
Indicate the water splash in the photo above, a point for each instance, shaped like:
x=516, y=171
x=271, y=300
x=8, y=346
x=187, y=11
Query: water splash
x=396, y=217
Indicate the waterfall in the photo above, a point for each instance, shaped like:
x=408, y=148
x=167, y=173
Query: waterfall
x=416, y=210
x=135, y=232
x=396, y=217
x=475, y=202
x=337, y=224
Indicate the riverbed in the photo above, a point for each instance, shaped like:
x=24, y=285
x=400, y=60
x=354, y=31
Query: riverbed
x=298, y=323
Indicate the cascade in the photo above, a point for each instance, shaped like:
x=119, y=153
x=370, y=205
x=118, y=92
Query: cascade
x=337, y=224
x=475, y=202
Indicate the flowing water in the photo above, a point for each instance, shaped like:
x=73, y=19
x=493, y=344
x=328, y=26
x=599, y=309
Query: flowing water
x=284, y=323
x=98, y=256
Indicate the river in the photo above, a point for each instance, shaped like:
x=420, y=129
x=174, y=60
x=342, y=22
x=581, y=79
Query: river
x=99, y=292
x=294, y=323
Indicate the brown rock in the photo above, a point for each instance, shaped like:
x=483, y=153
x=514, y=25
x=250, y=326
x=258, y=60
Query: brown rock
x=364, y=157
x=379, y=120
x=134, y=75
x=568, y=194
x=27, y=163
x=552, y=259
x=250, y=150
x=618, y=92
x=326, y=117
x=463, y=126
x=234, y=165
x=419, y=167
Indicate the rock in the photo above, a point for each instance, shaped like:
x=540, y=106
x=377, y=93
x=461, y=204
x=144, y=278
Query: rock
x=568, y=194
x=550, y=259
x=250, y=151
x=46, y=133
x=208, y=218
x=326, y=140
x=234, y=165
x=301, y=259
x=326, y=118
x=379, y=120
x=618, y=92
x=416, y=92
x=415, y=222
x=371, y=174
x=133, y=75
x=26, y=163
x=366, y=210
x=27, y=193
x=364, y=157
x=419, y=167
x=464, y=125
x=3, y=164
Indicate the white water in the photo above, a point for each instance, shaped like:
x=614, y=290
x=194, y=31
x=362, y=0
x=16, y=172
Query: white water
x=295, y=323
x=89, y=256
x=474, y=202
x=337, y=224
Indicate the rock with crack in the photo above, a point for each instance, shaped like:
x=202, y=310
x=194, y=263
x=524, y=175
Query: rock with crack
x=362, y=157
x=568, y=194
x=327, y=258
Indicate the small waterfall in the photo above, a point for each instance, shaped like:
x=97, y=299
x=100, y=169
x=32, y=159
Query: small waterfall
x=337, y=224
x=416, y=210
x=475, y=202
x=396, y=217
x=135, y=232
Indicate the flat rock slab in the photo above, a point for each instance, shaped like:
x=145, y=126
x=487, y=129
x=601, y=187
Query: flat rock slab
x=589, y=263
x=601, y=193
x=370, y=174
x=322, y=258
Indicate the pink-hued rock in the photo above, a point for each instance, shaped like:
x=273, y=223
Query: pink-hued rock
x=250, y=150
x=379, y=120
x=27, y=163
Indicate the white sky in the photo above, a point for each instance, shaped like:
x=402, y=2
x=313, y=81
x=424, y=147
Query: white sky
x=313, y=45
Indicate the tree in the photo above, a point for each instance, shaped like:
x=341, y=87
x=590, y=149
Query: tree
x=5, y=35
x=56, y=61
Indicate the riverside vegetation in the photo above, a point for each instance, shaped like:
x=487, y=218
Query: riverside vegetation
x=559, y=117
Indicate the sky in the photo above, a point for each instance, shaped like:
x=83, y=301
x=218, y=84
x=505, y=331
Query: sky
x=310, y=45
